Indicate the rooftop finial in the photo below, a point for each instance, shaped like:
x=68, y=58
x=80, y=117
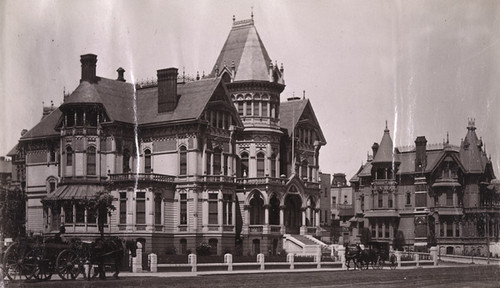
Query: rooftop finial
x=386, y=129
x=447, y=138
x=251, y=15
x=304, y=94
x=234, y=18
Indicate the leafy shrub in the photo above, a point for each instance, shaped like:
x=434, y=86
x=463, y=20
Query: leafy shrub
x=203, y=249
x=170, y=250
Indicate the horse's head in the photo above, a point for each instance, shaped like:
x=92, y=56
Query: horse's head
x=131, y=245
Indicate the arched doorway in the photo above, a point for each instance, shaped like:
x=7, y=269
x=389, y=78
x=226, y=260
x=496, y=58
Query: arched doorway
x=293, y=216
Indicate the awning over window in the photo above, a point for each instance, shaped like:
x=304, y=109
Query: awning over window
x=74, y=192
x=446, y=184
x=382, y=213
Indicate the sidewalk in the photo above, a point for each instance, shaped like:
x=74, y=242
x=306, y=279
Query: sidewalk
x=203, y=273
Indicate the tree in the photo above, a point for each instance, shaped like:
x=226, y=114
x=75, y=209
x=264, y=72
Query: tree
x=365, y=236
x=399, y=241
x=101, y=204
x=12, y=212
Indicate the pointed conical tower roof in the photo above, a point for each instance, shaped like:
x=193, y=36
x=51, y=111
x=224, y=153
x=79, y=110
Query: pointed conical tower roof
x=385, y=150
x=471, y=150
x=244, y=49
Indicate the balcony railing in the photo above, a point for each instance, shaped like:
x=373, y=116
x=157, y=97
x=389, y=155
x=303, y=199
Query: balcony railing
x=256, y=121
x=122, y=177
x=217, y=178
x=261, y=180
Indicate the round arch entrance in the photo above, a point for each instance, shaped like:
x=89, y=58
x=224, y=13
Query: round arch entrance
x=293, y=216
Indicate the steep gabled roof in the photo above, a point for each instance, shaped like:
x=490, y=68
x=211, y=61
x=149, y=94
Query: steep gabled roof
x=385, y=153
x=245, y=49
x=44, y=128
x=193, y=97
x=293, y=111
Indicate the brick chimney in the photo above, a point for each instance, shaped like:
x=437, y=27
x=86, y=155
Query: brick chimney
x=120, y=71
x=88, y=68
x=420, y=156
x=375, y=149
x=167, y=89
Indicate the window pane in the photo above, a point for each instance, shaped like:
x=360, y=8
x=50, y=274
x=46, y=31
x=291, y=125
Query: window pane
x=183, y=208
x=91, y=161
x=264, y=109
x=147, y=161
x=69, y=156
x=123, y=208
x=183, y=161
x=256, y=109
x=217, y=162
x=158, y=209
x=260, y=165
x=249, y=108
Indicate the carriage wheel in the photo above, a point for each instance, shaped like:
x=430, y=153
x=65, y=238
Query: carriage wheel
x=68, y=265
x=43, y=268
x=360, y=266
x=18, y=262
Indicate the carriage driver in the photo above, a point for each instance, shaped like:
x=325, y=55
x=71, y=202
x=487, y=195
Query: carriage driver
x=59, y=237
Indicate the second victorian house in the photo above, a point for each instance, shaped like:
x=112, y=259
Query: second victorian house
x=219, y=159
x=433, y=194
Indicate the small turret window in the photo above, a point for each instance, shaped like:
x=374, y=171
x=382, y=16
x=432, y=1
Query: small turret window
x=69, y=156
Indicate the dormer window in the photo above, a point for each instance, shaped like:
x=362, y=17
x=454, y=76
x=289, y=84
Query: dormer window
x=126, y=161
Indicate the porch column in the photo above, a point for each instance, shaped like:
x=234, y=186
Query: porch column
x=196, y=215
x=220, y=220
x=266, y=214
x=204, y=208
x=245, y=219
x=318, y=217
x=282, y=215
x=303, y=216
x=233, y=213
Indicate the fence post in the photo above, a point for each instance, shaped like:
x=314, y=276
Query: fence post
x=228, y=259
x=153, y=262
x=137, y=260
x=434, y=254
x=341, y=253
x=398, y=257
x=192, y=261
x=318, y=260
x=260, y=259
x=417, y=258
x=290, y=258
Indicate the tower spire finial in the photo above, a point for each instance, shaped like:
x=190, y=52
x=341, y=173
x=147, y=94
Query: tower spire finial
x=251, y=14
x=386, y=129
x=447, y=137
x=234, y=18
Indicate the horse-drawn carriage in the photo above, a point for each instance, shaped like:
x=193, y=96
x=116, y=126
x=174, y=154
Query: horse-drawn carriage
x=374, y=254
x=40, y=258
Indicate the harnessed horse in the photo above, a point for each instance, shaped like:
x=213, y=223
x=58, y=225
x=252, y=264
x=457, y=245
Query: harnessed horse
x=113, y=249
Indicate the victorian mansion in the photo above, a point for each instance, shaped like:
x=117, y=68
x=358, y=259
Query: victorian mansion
x=209, y=159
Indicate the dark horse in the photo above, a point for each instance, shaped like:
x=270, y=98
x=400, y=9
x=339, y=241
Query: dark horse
x=110, y=251
x=354, y=256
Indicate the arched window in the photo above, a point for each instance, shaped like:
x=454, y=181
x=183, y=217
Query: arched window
x=91, y=160
x=260, y=164
x=273, y=165
x=183, y=243
x=213, y=246
x=126, y=161
x=147, y=161
x=217, y=161
x=69, y=156
x=304, y=170
x=256, y=210
x=182, y=160
x=244, y=164
x=274, y=211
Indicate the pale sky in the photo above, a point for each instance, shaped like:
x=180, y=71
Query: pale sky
x=424, y=66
